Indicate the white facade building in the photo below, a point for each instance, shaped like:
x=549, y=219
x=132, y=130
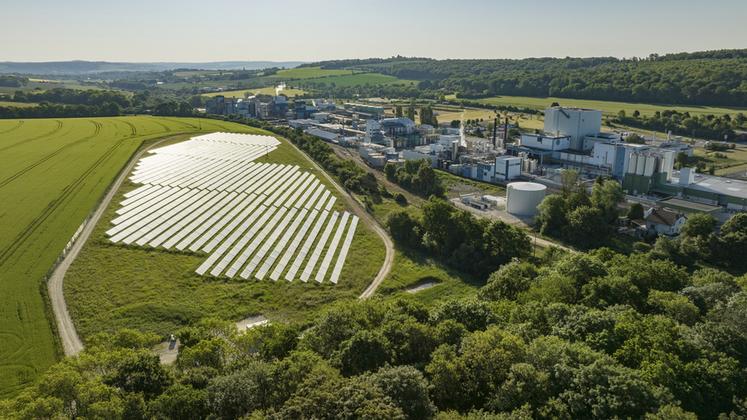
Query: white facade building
x=549, y=142
x=507, y=168
x=577, y=123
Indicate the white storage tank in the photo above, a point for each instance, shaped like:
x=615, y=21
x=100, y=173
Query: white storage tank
x=522, y=198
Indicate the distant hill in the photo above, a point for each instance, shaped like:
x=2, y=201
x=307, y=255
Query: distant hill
x=716, y=78
x=93, y=67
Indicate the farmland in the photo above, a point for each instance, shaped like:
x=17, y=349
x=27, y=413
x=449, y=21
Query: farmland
x=308, y=73
x=52, y=173
x=357, y=79
x=607, y=107
x=17, y=104
x=270, y=90
x=152, y=289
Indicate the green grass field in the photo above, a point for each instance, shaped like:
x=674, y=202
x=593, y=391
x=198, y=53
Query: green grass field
x=358, y=79
x=112, y=286
x=308, y=73
x=52, y=173
x=608, y=107
x=17, y=104
x=270, y=90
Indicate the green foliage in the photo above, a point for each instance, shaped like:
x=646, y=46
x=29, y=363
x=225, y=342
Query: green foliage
x=407, y=388
x=636, y=212
x=417, y=176
x=674, y=78
x=713, y=127
x=509, y=281
x=583, y=220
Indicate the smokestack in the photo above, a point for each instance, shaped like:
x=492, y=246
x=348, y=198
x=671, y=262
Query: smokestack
x=495, y=131
x=505, y=131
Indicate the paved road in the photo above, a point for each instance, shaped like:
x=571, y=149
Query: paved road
x=71, y=343
x=361, y=212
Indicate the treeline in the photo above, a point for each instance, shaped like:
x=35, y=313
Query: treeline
x=416, y=176
x=577, y=217
x=47, y=110
x=706, y=78
x=13, y=81
x=75, y=97
x=593, y=336
x=713, y=127
x=701, y=243
x=460, y=240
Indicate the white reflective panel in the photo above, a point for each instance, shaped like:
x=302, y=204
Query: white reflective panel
x=344, y=251
x=319, y=247
x=291, y=274
x=280, y=246
x=332, y=248
x=231, y=209
x=294, y=244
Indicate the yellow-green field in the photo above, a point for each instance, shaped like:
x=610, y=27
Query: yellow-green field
x=52, y=173
x=270, y=90
x=525, y=121
x=608, y=107
x=308, y=73
x=17, y=104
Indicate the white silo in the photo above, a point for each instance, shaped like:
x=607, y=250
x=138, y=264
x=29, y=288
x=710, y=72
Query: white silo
x=522, y=198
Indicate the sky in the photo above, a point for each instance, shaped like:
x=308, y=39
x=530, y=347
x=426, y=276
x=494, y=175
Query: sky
x=313, y=30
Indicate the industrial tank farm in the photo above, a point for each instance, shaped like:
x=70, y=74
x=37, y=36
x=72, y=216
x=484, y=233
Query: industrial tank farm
x=524, y=197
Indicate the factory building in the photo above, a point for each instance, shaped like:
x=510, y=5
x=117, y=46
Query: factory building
x=576, y=123
x=373, y=111
x=507, y=168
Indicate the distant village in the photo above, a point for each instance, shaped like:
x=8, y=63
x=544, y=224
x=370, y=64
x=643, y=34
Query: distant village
x=572, y=138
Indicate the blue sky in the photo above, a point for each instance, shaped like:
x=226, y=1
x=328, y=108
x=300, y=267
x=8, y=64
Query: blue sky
x=213, y=30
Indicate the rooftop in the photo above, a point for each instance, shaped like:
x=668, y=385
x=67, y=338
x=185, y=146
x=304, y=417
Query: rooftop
x=663, y=217
x=688, y=206
x=717, y=185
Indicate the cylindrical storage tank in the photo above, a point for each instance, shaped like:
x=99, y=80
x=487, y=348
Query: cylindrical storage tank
x=522, y=198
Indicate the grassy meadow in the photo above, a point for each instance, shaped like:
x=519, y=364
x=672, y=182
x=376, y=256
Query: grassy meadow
x=112, y=286
x=308, y=73
x=242, y=93
x=607, y=107
x=52, y=173
x=17, y=104
x=357, y=79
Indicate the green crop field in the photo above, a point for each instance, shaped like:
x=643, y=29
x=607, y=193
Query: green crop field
x=308, y=73
x=270, y=90
x=608, y=107
x=113, y=286
x=17, y=104
x=52, y=173
x=358, y=79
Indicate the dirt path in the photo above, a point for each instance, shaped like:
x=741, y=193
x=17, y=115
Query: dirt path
x=361, y=212
x=71, y=343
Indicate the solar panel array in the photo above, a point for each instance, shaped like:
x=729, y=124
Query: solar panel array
x=253, y=219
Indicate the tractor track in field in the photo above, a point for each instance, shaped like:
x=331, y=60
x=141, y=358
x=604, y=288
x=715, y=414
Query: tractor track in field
x=182, y=122
x=6, y=253
x=133, y=129
x=20, y=123
x=54, y=131
x=8, y=180
x=166, y=128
